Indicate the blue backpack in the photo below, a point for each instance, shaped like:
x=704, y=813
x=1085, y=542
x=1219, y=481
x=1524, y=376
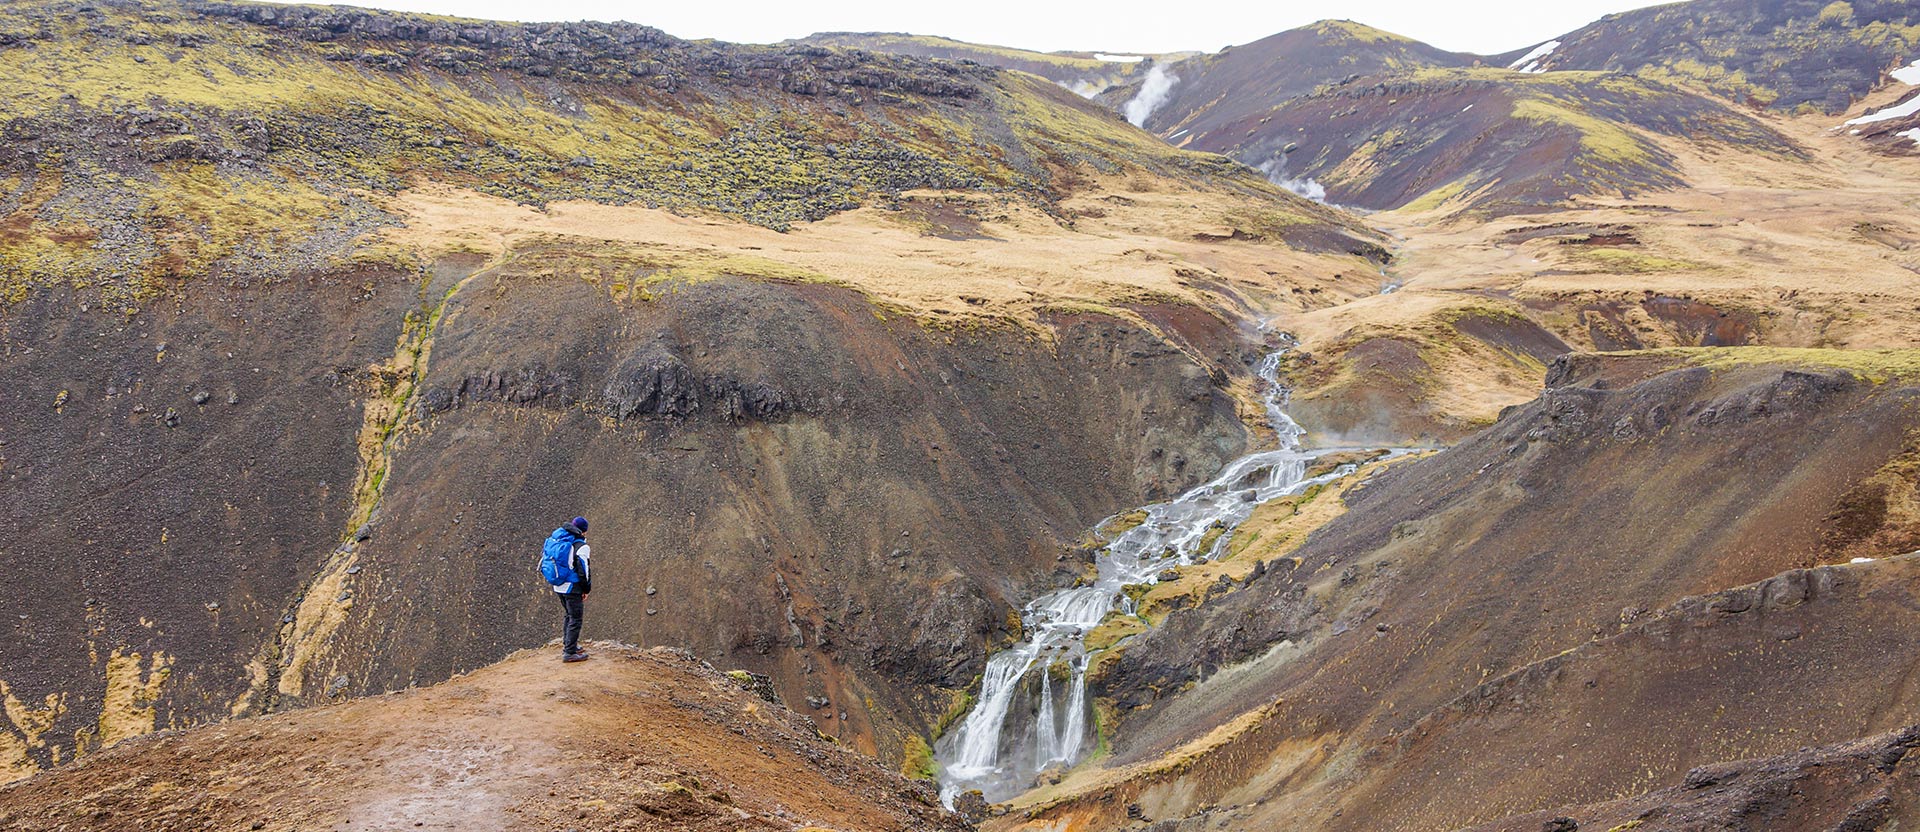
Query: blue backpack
x=556, y=557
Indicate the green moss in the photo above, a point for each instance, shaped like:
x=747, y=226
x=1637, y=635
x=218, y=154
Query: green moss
x=1437, y=197
x=1211, y=536
x=961, y=704
x=1611, y=142
x=1358, y=32
x=1123, y=523
x=1105, y=714
x=917, y=759
x=1117, y=627
x=328, y=128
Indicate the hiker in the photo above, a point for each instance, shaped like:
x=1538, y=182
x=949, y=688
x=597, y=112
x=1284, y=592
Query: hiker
x=565, y=562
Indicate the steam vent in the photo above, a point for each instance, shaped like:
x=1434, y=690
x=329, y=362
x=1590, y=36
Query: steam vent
x=418, y=421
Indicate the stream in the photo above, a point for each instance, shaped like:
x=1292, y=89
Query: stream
x=1020, y=725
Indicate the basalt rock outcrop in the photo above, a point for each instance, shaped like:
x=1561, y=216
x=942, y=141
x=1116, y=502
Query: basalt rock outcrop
x=847, y=504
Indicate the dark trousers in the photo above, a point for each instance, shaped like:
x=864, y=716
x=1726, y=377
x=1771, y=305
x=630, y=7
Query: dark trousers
x=572, y=602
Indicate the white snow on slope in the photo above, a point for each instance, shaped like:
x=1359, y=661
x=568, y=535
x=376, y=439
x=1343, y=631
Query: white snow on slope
x=1913, y=134
x=1909, y=74
x=1530, y=62
x=1901, y=110
x=1118, y=59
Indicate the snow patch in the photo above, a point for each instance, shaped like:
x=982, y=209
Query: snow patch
x=1913, y=134
x=1861, y=560
x=1466, y=108
x=1909, y=74
x=1530, y=62
x=1118, y=59
x=1155, y=89
x=1900, y=110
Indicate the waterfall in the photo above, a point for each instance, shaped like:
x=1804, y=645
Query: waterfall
x=1000, y=748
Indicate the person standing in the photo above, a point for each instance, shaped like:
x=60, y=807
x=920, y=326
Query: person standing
x=567, y=565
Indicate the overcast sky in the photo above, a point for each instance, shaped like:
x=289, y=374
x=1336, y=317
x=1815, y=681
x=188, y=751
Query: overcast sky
x=1484, y=26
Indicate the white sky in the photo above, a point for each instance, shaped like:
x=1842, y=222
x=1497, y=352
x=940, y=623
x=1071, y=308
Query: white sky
x=1484, y=26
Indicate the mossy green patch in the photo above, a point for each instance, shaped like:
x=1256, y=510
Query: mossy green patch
x=1436, y=198
x=1358, y=32
x=1612, y=142
x=917, y=759
x=248, y=148
x=961, y=704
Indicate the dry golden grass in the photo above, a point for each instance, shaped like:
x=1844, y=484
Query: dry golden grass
x=1018, y=264
x=1821, y=254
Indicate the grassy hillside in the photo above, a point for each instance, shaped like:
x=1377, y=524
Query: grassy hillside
x=1086, y=73
x=336, y=305
x=1791, y=55
x=148, y=140
x=1491, y=141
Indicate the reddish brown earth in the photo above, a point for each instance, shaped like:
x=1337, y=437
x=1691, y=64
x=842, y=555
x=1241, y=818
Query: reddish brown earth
x=632, y=739
x=1615, y=584
x=1781, y=54
x=1855, y=786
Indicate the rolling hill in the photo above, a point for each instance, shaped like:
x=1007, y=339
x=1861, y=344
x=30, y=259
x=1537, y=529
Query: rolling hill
x=314, y=320
x=318, y=318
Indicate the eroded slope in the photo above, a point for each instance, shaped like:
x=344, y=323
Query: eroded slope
x=1492, y=610
x=313, y=313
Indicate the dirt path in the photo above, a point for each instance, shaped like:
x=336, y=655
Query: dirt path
x=632, y=740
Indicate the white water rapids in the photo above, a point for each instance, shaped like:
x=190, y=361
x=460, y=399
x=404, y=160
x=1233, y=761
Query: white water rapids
x=1019, y=728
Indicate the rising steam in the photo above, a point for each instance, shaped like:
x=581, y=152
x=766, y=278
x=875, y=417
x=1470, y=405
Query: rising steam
x=1276, y=171
x=1155, y=89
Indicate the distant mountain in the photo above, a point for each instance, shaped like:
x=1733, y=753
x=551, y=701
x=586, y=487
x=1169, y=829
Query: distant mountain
x=1217, y=94
x=1345, y=112
x=1084, y=72
x=1361, y=117
x=1794, y=55
x=1498, y=141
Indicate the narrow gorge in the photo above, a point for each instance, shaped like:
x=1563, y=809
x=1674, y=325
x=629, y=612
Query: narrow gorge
x=1022, y=723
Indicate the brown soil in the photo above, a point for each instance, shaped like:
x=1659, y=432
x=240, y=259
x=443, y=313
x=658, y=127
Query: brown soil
x=1541, y=615
x=1866, y=784
x=630, y=740
x=1761, y=249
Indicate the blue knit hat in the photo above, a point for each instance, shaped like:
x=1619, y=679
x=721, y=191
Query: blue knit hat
x=580, y=523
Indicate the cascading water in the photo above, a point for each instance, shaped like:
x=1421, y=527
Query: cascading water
x=999, y=748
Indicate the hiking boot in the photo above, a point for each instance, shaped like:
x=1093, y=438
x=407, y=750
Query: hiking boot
x=575, y=657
